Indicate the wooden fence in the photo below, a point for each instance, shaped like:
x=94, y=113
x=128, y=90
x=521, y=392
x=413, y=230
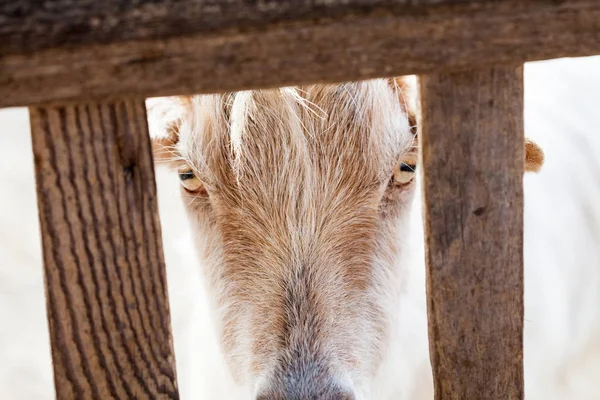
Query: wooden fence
x=85, y=67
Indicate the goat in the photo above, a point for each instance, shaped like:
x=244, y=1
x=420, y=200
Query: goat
x=305, y=206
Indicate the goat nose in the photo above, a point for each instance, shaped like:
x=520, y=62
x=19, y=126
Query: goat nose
x=305, y=390
x=329, y=395
x=304, y=378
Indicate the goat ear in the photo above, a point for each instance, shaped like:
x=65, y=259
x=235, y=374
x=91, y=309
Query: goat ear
x=164, y=119
x=534, y=156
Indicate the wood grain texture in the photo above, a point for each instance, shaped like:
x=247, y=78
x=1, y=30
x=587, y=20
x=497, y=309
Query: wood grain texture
x=103, y=261
x=472, y=155
x=68, y=50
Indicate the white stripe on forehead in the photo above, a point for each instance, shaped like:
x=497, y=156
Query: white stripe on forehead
x=237, y=121
x=265, y=131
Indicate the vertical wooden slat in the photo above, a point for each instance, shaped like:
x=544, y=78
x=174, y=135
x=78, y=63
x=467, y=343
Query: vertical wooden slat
x=104, y=270
x=472, y=157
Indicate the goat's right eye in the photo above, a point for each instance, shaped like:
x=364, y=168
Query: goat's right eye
x=189, y=180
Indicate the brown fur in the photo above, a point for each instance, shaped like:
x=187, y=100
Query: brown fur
x=534, y=156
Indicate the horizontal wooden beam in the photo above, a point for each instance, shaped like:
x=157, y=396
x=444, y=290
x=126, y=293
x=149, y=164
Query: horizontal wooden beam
x=63, y=50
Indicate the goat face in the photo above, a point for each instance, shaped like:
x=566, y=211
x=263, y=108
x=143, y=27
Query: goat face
x=299, y=198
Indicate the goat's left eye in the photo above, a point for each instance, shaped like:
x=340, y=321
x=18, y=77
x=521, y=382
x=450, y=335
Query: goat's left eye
x=404, y=173
x=189, y=180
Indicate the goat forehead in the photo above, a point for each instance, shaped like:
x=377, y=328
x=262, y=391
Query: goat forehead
x=355, y=129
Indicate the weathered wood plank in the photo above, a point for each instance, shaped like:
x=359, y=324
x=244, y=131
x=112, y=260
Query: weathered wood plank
x=104, y=271
x=66, y=50
x=472, y=154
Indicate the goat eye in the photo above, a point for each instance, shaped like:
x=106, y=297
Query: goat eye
x=404, y=173
x=188, y=179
